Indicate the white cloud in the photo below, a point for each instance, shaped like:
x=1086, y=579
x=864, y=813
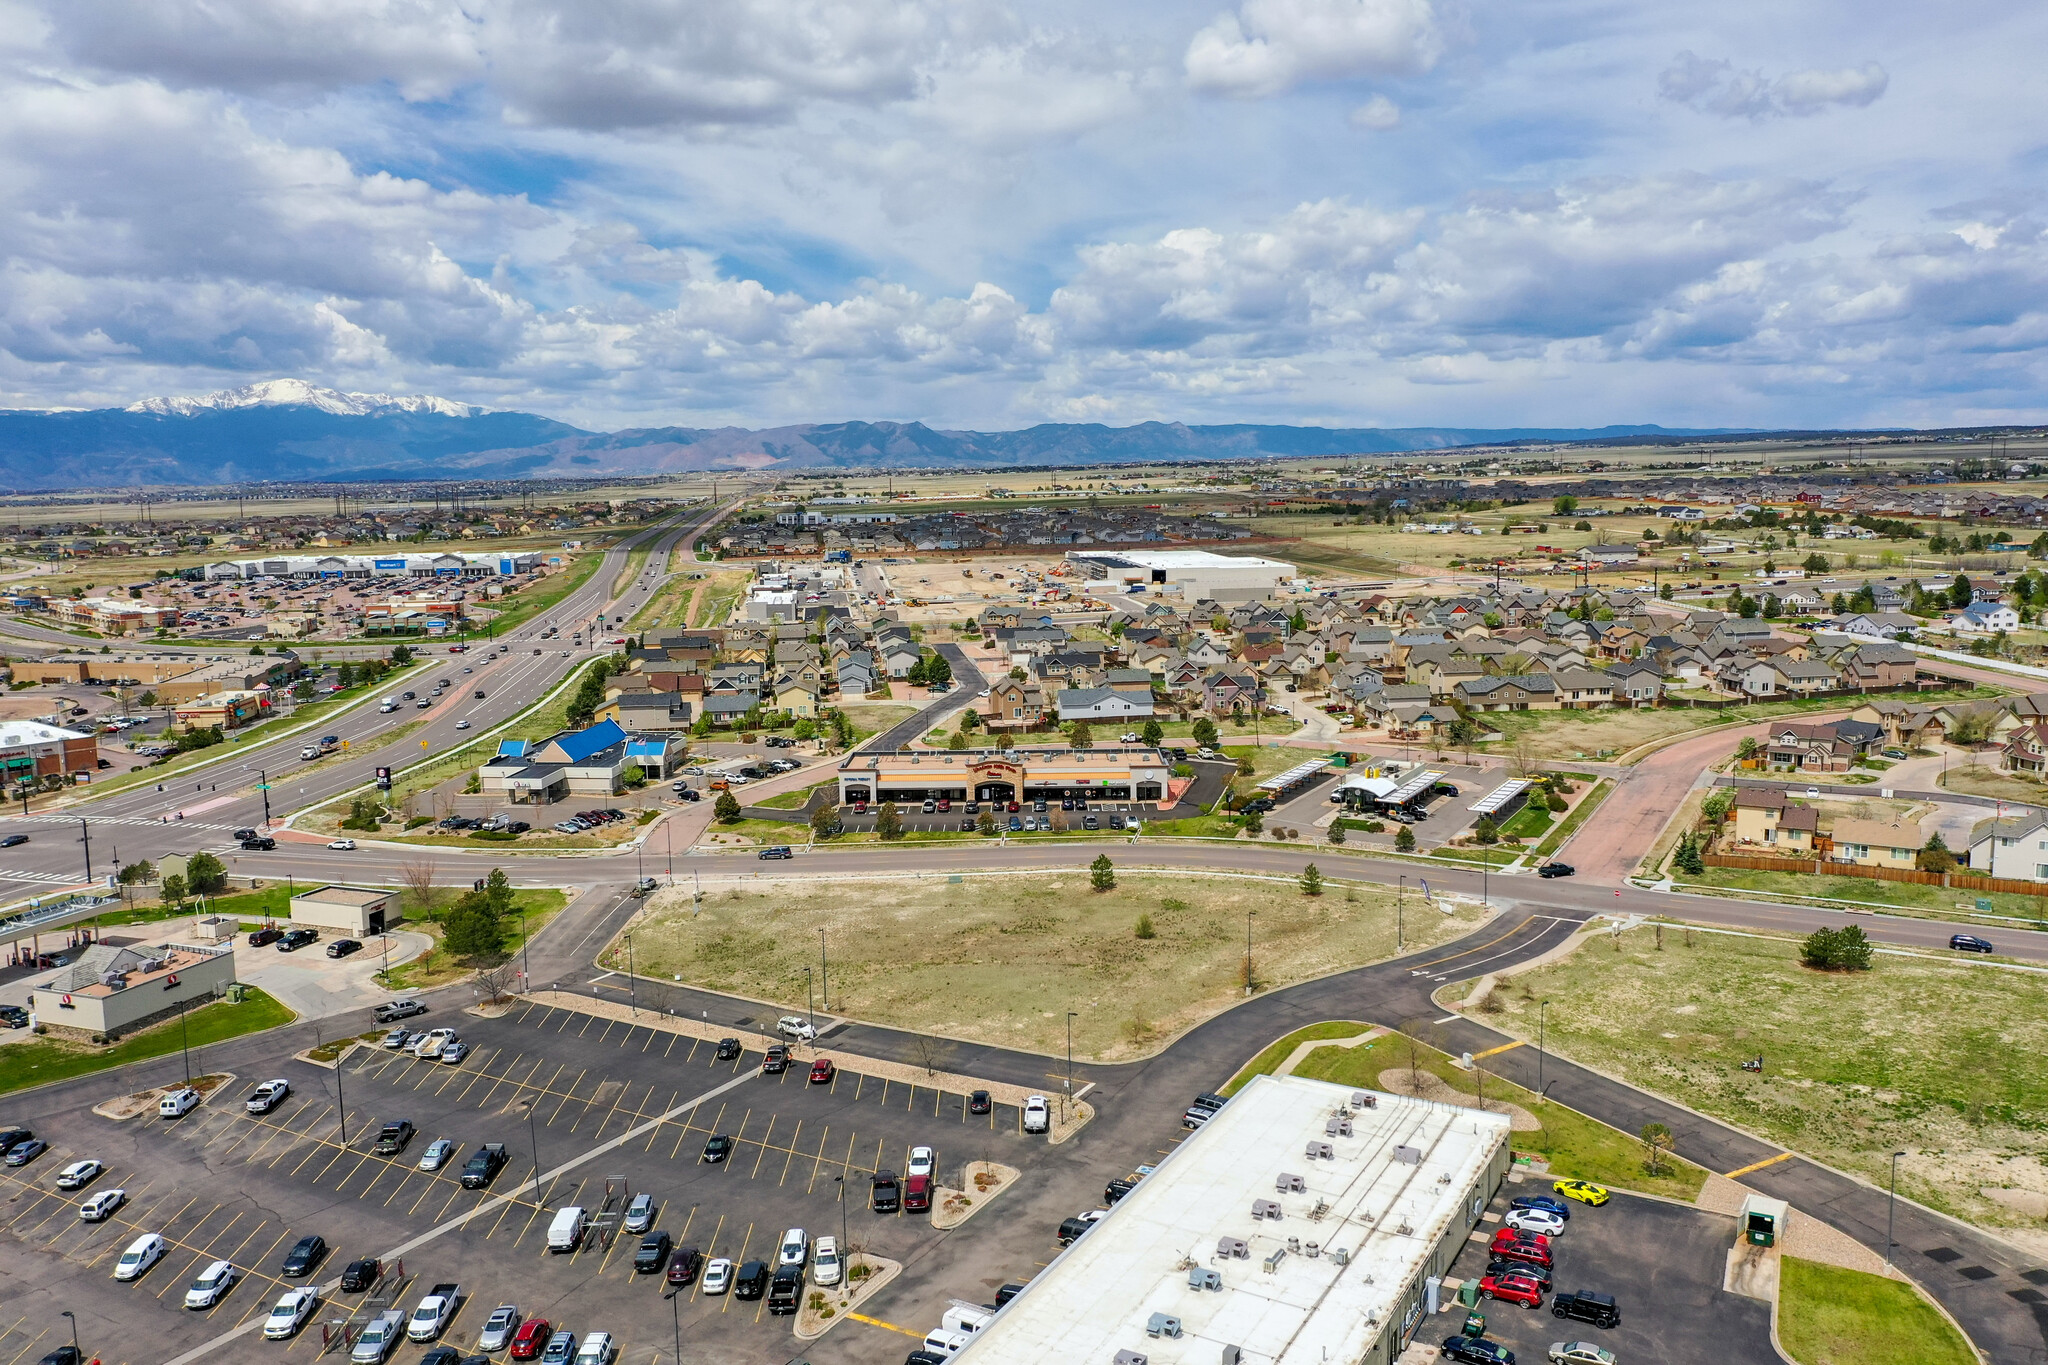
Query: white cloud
x=1716, y=87
x=1376, y=115
x=1268, y=46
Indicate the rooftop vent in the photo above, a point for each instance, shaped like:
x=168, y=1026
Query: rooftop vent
x=1233, y=1248
x=1231, y=1355
x=1266, y=1208
x=1361, y=1100
x=1200, y=1279
x=1130, y=1358
x=1290, y=1184
x=1273, y=1261
x=1340, y=1255
x=1162, y=1325
x=1338, y=1127
x=1408, y=1156
x=1322, y=1150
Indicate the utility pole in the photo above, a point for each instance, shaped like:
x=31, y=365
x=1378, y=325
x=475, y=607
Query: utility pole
x=1067, y=1096
x=1400, y=905
x=1248, y=915
x=85, y=837
x=824, y=979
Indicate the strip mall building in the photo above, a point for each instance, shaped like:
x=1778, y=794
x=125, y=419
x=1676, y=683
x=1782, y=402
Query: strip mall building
x=1122, y=773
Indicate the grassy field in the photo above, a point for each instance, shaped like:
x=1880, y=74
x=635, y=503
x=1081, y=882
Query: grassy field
x=1001, y=959
x=544, y=594
x=1581, y=811
x=1280, y=1049
x=872, y=717
x=1831, y=1316
x=713, y=601
x=26, y=1064
x=1935, y=1058
x=437, y=968
x=1978, y=779
x=1577, y=1147
x=1551, y=736
x=1908, y=897
x=797, y=799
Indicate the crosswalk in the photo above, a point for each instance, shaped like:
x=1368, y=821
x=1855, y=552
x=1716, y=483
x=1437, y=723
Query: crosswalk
x=140, y=822
x=49, y=878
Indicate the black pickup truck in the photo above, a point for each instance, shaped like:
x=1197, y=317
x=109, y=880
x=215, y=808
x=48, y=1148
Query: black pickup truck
x=483, y=1166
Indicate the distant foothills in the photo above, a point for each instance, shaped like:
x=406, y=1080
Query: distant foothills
x=291, y=431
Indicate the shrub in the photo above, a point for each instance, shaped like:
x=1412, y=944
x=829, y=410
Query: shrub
x=1837, y=950
x=1145, y=929
x=1405, y=841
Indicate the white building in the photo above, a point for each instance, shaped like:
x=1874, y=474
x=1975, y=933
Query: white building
x=1192, y=574
x=441, y=564
x=1243, y=1247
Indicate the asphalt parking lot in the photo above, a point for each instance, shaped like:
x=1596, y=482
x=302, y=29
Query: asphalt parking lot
x=1663, y=1264
x=606, y=1105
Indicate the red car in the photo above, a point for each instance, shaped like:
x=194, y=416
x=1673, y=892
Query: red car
x=917, y=1193
x=1512, y=1288
x=1528, y=1253
x=945, y=804
x=822, y=1071
x=531, y=1338
x=1507, y=1236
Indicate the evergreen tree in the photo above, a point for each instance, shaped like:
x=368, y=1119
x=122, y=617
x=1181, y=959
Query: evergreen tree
x=726, y=808
x=1152, y=734
x=1311, y=880
x=1102, y=873
x=888, y=821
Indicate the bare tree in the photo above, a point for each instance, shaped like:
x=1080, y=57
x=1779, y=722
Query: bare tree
x=930, y=1053
x=1523, y=753
x=492, y=981
x=418, y=876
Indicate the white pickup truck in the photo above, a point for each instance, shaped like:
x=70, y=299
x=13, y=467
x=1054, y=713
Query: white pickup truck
x=377, y=1338
x=434, y=1312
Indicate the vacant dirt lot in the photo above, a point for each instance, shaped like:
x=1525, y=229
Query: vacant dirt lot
x=1939, y=1059
x=1002, y=959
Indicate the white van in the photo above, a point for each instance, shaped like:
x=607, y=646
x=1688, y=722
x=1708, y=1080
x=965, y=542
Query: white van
x=965, y=1317
x=566, y=1232
x=946, y=1343
x=178, y=1103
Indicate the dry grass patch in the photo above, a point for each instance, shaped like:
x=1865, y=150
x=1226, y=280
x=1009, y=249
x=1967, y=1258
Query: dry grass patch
x=1002, y=959
x=1938, y=1059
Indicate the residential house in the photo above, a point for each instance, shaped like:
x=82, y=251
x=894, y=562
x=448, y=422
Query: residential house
x=858, y=674
x=2015, y=846
x=1133, y=680
x=2026, y=750
x=1876, y=843
x=1102, y=704
x=1015, y=704
x=641, y=712
x=1582, y=689
x=1224, y=692
x=1508, y=692
x=1775, y=677
x=1763, y=816
x=1985, y=618
x=1637, y=682
x=797, y=696
x=1821, y=746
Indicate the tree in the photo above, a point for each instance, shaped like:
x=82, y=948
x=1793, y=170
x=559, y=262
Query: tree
x=805, y=728
x=1144, y=928
x=418, y=876
x=701, y=727
x=175, y=890
x=205, y=874
x=1152, y=734
x=1564, y=506
x=138, y=874
x=1688, y=859
x=825, y=821
x=1656, y=1140
x=1959, y=592
x=401, y=655
x=937, y=670
x=634, y=776
x=1716, y=807
x=1485, y=832
x=1102, y=873
x=1081, y=735
x=1934, y=855
x=1815, y=563
x=726, y=808
x=888, y=821
x=1204, y=732
x=985, y=825
x=1245, y=766
x=1336, y=833
x=970, y=721
x=1773, y=608
x=1311, y=880
x=1837, y=950
x=1255, y=822
x=473, y=928
x=957, y=740
x=1664, y=591
x=1404, y=841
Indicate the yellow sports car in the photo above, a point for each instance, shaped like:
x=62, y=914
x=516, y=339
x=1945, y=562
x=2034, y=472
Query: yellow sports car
x=1585, y=1191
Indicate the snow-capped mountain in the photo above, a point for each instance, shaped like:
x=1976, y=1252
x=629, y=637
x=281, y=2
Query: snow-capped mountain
x=297, y=393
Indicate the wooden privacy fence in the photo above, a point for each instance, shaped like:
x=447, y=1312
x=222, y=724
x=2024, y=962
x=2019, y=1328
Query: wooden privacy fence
x=1960, y=881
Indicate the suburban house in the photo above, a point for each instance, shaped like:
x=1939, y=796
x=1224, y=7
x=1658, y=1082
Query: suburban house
x=1763, y=816
x=1637, y=682
x=1526, y=692
x=2015, y=846
x=1876, y=843
x=1103, y=703
x=1986, y=618
x=1821, y=746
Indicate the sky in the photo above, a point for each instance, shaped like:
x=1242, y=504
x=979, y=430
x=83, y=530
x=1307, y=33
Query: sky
x=987, y=214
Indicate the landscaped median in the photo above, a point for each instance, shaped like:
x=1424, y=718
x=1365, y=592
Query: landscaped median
x=1831, y=1316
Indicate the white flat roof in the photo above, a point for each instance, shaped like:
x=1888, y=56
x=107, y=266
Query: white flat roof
x=1388, y=1196
x=1181, y=559
x=1507, y=791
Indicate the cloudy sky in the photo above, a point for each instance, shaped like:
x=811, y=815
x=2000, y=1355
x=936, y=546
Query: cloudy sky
x=991, y=213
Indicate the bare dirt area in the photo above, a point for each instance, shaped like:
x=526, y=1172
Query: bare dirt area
x=1427, y=1085
x=1935, y=1058
x=1001, y=959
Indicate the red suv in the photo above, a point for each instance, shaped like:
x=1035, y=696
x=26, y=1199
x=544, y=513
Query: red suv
x=822, y=1071
x=1528, y=1253
x=1512, y=1288
x=1507, y=1236
x=531, y=1339
x=917, y=1193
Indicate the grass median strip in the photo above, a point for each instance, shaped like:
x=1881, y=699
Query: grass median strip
x=1831, y=1316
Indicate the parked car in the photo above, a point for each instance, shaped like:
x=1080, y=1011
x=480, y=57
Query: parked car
x=79, y=1174
x=561, y=1347
x=1512, y=1288
x=718, y=1276
x=797, y=1027
x=1542, y=1201
x=297, y=939
x=1585, y=1191
x=775, y=1061
x=717, y=1148
x=531, y=1339
x=267, y=1096
x=342, y=947
x=262, y=938
x=794, y=1248
x=979, y=1102
x=640, y=1213
x=21, y=1153
x=178, y=1103
x=1586, y=1306
x=728, y=1049
x=361, y=1274
x=499, y=1328
x=101, y=1206
x=1579, y=1353
x=1037, y=1114
x=826, y=1267
x=598, y=1348
x=684, y=1266
x=1477, y=1351
x=750, y=1281
x=438, y=1154
x=822, y=1071
x=305, y=1255
x=453, y=1053
x=1538, y=1273
x=142, y=1253
x=393, y=1137
x=1071, y=1229
x=1534, y=1220
x=653, y=1253
x=211, y=1284
x=289, y=1313
x=885, y=1195
x=393, y=1010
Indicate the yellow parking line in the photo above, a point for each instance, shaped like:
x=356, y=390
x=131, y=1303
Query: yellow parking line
x=1759, y=1165
x=1504, y=1047
x=877, y=1322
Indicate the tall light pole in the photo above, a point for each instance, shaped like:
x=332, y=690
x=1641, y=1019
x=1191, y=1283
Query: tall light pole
x=185, y=1042
x=1248, y=950
x=1892, y=1209
x=76, y=1353
x=525, y=955
x=632, y=991
x=85, y=837
x=824, y=977
x=1541, y=1005
x=1067, y=1096
x=534, y=1139
x=1400, y=906
x=810, y=1003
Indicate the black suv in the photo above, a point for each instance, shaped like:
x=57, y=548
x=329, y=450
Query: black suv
x=483, y=1166
x=392, y=1137
x=752, y=1280
x=297, y=939
x=884, y=1194
x=259, y=937
x=262, y=843
x=360, y=1275
x=1556, y=870
x=13, y=1016
x=728, y=1049
x=305, y=1254
x=653, y=1253
x=1586, y=1306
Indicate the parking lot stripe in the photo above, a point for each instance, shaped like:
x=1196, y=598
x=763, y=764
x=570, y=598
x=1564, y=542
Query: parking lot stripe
x=1759, y=1165
x=792, y=1153
x=877, y=1322
x=738, y=1261
x=245, y=1241
x=31, y=1345
x=764, y=1147
x=566, y=1017
x=608, y=1030
x=588, y=1020
x=672, y=1046
x=565, y=1094
x=818, y=1159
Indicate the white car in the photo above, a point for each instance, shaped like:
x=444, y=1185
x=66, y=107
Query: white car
x=142, y=1253
x=718, y=1276
x=1128, y=737
x=598, y=1348
x=178, y=1103
x=345, y=845
x=101, y=1206
x=794, y=1249
x=922, y=1160
x=462, y=725
x=214, y=1281
x=79, y=1174
x=1037, y=1114
x=795, y=1026
x=640, y=1213
x=289, y=1313
x=1534, y=1220
x=437, y=1154
x=826, y=1267
x=1579, y=1353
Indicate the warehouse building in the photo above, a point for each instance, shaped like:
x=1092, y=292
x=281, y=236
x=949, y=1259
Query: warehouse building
x=1191, y=574
x=441, y=564
x=351, y=910
x=1117, y=773
x=1305, y=1224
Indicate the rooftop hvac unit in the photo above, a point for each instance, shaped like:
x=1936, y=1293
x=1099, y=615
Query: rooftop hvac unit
x=1338, y=1127
x=1233, y=1248
x=1290, y=1184
x=1340, y=1255
x=1322, y=1150
x=1130, y=1358
x=1232, y=1355
x=1408, y=1156
x=152, y=964
x=1266, y=1208
x=114, y=979
x=1361, y=1100
x=1162, y=1325
x=1200, y=1279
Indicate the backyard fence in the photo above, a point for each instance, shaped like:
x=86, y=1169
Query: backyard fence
x=1960, y=881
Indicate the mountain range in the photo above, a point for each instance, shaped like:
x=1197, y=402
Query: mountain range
x=288, y=430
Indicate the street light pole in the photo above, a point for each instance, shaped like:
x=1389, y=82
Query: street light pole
x=1891, y=1209
x=824, y=977
x=632, y=991
x=1067, y=1097
x=525, y=955
x=1541, y=1005
x=85, y=837
x=1248, y=950
x=263, y=787
x=75, y=1352
x=534, y=1139
x=339, y=1096
x=810, y=1002
x=1400, y=906
x=185, y=1041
